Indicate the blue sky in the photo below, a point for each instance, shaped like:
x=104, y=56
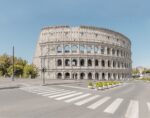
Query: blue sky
x=22, y=20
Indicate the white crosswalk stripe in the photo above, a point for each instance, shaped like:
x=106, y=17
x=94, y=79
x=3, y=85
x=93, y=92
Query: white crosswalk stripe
x=114, y=106
x=77, y=98
x=148, y=105
x=98, y=103
x=86, y=100
x=58, y=95
x=133, y=110
x=68, y=96
x=54, y=93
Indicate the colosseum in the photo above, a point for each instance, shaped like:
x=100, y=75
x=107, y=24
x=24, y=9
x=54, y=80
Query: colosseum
x=83, y=52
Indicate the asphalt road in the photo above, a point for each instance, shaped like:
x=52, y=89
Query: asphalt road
x=131, y=100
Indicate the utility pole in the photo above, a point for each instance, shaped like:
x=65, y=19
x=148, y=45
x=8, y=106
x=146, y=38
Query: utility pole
x=13, y=63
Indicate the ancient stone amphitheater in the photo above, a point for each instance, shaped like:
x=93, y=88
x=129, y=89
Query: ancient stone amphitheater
x=83, y=52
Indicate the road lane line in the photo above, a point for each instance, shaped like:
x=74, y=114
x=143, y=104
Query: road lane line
x=77, y=98
x=98, y=103
x=114, y=106
x=68, y=96
x=133, y=110
x=86, y=100
x=58, y=95
x=148, y=104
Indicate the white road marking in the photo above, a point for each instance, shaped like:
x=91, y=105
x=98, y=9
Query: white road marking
x=133, y=110
x=77, y=98
x=54, y=93
x=86, y=100
x=148, y=104
x=74, y=87
x=114, y=106
x=58, y=95
x=68, y=96
x=42, y=93
x=98, y=103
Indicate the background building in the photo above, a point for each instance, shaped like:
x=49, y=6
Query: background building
x=83, y=53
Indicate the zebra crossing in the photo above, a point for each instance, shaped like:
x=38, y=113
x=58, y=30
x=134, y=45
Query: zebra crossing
x=90, y=101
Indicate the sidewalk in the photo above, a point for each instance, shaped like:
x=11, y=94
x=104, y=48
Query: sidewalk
x=7, y=83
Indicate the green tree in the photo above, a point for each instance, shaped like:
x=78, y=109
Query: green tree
x=30, y=71
x=18, y=70
x=5, y=62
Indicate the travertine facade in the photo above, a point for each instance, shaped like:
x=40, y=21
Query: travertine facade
x=83, y=53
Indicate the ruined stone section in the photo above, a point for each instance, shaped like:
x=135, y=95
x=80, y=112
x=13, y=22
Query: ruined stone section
x=83, y=53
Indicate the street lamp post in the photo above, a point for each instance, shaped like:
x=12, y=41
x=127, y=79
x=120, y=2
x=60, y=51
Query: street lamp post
x=13, y=61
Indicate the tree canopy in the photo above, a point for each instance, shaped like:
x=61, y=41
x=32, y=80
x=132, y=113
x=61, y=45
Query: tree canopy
x=21, y=67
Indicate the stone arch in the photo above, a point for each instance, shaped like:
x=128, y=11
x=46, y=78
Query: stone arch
x=89, y=62
x=103, y=63
x=59, y=49
x=59, y=62
x=82, y=75
x=67, y=48
x=59, y=75
x=109, y=76
x=109, y=63
x=89, y=75
x=97, y=76
x=82, y=62
x=96, y=62
x=67, y=75
x=74, y=62
x=67, y=62
x=103, y=76
x=74, y=48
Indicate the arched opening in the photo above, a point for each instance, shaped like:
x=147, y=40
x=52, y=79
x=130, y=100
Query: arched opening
x=59, y=76
x=67, y=75
x=67, y=49
x=82, y=63
x=96, y=62
x=103, y=63
x=82, y=76
x=89, y=49
x=96, y=49
x=114, y=76
x=81, y=48
x=113, y=51
x=89, y=62
x=59, y=49
x=109, y=64
x=117, y=52
x=74, y=48
x=67, y=62
x=74, y=62
x=108, y=51
x=109, y=76
x=102, y=50
x=59, y=62
x=114, y=64
x=103, y=76
x=118, y=64
x=89, y=76
x=75, y=76
x=97, y=76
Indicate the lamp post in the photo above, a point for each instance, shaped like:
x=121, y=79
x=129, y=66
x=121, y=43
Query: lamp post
x=13, y=60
